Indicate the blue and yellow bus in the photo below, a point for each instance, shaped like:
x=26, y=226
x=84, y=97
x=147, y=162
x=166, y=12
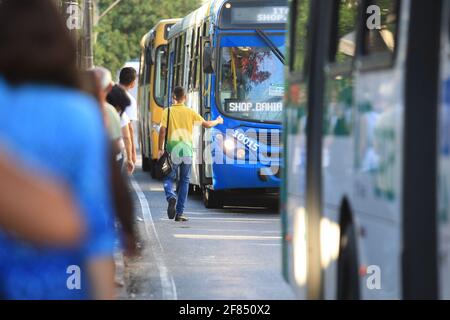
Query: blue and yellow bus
x=152, y=90
x=229, y=56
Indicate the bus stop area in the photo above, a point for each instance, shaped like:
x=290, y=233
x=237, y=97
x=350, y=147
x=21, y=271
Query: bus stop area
x=224, y=150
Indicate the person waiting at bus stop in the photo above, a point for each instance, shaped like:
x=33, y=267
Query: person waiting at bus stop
x=127, y=81
x=179, y=144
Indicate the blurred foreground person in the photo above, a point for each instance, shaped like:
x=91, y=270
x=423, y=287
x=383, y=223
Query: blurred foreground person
x=57, y=131
x=118, y=98
x=48, y=217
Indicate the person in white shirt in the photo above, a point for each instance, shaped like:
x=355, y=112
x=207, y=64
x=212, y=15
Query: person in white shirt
x=127, y=80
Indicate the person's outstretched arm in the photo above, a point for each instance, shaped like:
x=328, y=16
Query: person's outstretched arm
x=212, y=123
x=36, y=209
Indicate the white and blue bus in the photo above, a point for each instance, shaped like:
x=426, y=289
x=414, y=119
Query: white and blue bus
x=367, y=172
x=229, y=57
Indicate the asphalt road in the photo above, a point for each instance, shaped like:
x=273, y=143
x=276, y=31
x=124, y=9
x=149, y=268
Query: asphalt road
x=230, y=253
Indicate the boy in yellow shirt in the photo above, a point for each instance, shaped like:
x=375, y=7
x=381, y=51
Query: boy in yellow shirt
x=179, y=139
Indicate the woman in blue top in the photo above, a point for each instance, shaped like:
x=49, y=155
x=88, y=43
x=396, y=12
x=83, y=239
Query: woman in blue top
x=53, y=128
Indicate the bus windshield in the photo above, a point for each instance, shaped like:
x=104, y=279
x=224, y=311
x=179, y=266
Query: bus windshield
x=251, y=85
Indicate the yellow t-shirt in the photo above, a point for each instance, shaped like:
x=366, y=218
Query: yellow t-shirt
x=181, y=124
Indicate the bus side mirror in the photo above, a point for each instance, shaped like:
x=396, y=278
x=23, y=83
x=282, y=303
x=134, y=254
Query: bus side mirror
x=208, y=62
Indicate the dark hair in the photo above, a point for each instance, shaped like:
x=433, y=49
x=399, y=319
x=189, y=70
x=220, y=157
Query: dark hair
x=118, y=98
x=178, y=93
x=35, y=45
x=127, y=76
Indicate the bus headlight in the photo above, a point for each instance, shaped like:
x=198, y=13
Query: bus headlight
x=231, y=147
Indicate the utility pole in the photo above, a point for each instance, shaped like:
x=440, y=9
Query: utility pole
x=88, y=34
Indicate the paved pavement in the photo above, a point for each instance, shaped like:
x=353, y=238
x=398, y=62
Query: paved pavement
x=230, y=253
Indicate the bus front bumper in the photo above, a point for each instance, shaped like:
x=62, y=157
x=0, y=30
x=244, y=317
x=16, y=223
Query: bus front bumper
x=245, y=176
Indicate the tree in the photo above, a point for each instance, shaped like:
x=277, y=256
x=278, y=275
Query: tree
x=119, y=33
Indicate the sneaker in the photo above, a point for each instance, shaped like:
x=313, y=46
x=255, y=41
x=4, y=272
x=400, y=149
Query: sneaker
x=181, y=218
x=171, y=208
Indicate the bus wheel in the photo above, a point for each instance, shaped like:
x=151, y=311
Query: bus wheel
x=211, y=199
x=348, y=279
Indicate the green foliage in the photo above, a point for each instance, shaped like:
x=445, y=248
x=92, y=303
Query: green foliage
x=119, y=33
x=301, y=33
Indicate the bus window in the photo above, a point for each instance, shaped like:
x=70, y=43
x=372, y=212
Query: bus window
x=300, y=34
x=197, y=59
x=343, y=48
x=205, y=29
x=141, y=69
x=175, y=62
x=147, y=66
x=191, y=81
x=160, y=75
x=251, y=75
x=182, y=57
x=167, y=30
x=380, y=31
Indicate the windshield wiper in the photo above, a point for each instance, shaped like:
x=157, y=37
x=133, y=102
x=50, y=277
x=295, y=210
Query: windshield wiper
x=271, y=45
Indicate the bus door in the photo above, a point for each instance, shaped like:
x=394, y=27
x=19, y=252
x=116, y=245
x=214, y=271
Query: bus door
x=443, y=218
x=205, y=165
x=337, y=145
x=170, y=83
x=303, y=132
x=395, y=94
x=146, y=103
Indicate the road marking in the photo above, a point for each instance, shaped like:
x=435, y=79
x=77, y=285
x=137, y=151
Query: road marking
x=169, y=290
x=237, y=215
x=234, y=215
x=232, y=219
x=223, y=237
x=156, y=189
x=193, y=229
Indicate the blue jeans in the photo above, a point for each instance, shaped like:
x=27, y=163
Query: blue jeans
x=183, y=184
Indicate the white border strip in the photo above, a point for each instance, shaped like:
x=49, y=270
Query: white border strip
x=169, y=290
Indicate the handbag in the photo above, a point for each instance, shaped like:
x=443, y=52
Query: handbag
x=164, y=165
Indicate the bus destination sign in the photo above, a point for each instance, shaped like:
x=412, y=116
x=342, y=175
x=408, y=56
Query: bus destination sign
x=259, y=15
